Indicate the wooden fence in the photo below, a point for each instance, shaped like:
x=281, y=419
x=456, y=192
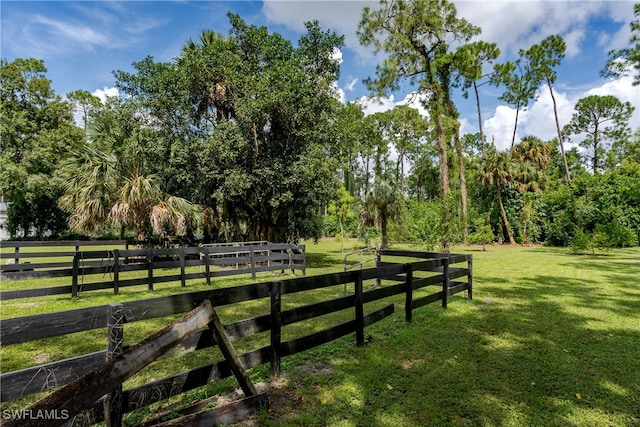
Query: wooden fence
x=55, y=261
x=106, y=269
x=442, y=271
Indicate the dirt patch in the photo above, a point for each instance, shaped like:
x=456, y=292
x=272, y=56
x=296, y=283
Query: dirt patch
x=43, y=358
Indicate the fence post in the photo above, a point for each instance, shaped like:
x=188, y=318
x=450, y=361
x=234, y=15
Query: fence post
x=74, y=279
x=150, y=268
x=359, y=308
x=445, y=282
x=16, y=252
x=253, y=263
x=408, y=301
x=276, y=328
x=113, y=403
x=378, y=260
x=470, y=277
x=304, y=259
x=207, y=265
x=116, y=271
x=182, y=266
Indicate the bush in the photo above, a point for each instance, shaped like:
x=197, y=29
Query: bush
x=615, y=235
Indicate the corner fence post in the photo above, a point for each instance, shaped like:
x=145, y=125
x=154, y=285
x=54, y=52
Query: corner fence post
x=276, y=329
x=408, y=301
x=445, y=282
x=115, y=337
x=359, y=308
x=470, y=277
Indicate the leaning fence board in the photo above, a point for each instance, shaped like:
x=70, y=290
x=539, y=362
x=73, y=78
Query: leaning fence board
x=228, y=414
x=229, y=352
x=164, y=388
x=175, y=384
x=82, y=393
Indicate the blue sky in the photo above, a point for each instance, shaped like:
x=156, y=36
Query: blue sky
x=82, y=42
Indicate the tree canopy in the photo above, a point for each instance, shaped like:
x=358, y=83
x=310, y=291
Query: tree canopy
x=242, y=137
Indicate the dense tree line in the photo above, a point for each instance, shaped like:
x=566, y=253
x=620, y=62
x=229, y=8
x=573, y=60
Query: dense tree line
x=241, y=137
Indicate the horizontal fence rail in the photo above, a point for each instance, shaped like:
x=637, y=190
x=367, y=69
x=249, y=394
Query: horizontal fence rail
x=399, y=278
x=213, y=261
x=55, y=261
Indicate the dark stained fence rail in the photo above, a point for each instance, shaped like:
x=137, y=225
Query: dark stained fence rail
x=56, y=261
x=403, y=277
x=111, y=265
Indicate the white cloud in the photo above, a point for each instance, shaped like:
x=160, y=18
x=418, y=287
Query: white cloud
x=339, y=16
x=372, y=105
x=517, y=25
x=352, y=83
x=499, y=128
x=376, y=105
x=539, y=119
x=106, y=92
x=336, y=55
x=339, y=92
x=416, y=100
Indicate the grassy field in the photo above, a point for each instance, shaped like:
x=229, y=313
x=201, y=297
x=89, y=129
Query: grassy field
x=550, y=339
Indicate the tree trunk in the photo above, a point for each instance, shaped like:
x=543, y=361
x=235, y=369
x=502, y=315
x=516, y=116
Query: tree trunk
x=463, y=186
x=383, y=231
x=475, y=88
x=515, y=129
x=444, y=176
x=504, y=216
x=555, y=113
x=595, y=149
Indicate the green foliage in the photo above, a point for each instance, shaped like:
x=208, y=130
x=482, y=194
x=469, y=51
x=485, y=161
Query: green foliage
x=249, y=134
x=37, y=131
x=420, y=224
x=108, y=182
x=481, y=232
x=622, y=61
x=341, y=209
x=602, y=119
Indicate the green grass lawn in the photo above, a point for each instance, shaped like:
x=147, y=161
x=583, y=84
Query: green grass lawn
x=550, y=339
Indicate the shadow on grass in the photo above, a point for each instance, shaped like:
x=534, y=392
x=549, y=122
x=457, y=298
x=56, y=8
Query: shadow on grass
x=548, y=351
x=321, y=260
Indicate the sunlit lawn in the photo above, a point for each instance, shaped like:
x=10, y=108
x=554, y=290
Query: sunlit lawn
x=549, y=339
